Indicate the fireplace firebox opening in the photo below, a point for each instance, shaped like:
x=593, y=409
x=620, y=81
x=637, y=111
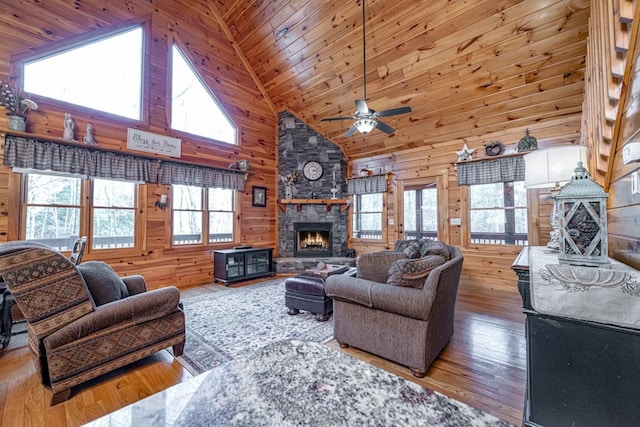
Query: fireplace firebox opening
x=313, y=239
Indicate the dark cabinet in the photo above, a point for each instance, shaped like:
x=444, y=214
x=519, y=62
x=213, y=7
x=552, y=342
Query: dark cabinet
x=233, y=265
x=579, y=372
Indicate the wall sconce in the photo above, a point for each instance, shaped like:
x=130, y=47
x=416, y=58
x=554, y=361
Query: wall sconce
x=162, y=203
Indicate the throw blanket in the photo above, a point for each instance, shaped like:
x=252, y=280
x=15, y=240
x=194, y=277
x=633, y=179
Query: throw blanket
x=601, y=295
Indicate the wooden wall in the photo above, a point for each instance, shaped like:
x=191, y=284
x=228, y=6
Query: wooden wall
x=487, y=264
x=31, y=27
x=612, y=119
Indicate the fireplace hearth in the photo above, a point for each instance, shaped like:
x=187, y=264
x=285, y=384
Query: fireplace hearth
x=313, y=239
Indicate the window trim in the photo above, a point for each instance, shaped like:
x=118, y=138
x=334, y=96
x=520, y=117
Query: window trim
x=205, y=221
x=465, y=229
x=17, y=68
x=86, y=216
x=175, y=41
x=383, y=215
x=442, y=186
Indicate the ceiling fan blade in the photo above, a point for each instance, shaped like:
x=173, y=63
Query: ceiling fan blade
x=361, y=106
x=393, y=111
x=331, y=119
x=384, y=127
x=351, y=130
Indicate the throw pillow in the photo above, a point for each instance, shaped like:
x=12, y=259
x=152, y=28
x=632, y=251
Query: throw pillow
x=435, y=247
x=413, y=272
x=413, y=250
x=104, y=284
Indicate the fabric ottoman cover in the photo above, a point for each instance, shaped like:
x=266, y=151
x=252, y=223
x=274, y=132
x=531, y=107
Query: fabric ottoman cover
x=306, y=292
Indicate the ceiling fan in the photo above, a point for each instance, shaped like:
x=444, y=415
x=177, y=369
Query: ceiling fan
x=366, y=118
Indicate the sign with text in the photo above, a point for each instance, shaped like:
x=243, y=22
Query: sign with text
x=153, y=143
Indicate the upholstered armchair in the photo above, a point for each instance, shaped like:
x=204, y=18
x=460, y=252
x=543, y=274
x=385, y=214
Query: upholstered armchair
x=401, y=304
x=84, y=320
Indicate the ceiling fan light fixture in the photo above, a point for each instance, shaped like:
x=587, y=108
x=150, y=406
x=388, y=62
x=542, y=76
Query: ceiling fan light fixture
x=365, y=125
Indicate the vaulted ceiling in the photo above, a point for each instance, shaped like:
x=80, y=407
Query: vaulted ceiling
x=466, y=68
x=469, y=69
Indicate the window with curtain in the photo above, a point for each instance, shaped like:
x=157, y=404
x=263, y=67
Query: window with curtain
x=498, y=213
x=55, y=211
x=497, y=200
x=367, y=216
x=113, y=213
x=199, y=211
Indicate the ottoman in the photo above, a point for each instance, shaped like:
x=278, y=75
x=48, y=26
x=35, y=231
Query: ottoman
x=306, y=292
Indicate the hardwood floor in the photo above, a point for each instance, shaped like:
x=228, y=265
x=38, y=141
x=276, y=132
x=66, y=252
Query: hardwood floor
x=484, y=366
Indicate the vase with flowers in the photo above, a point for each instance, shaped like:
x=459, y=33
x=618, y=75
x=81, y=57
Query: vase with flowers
x=288, y=180
x=17, y=106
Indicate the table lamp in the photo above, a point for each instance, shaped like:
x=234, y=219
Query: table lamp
x=552, y=168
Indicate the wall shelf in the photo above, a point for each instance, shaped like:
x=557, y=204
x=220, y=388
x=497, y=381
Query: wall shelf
x=344, y=203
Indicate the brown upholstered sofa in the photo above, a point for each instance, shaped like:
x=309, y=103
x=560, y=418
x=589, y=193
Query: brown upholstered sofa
x=408, y=322
x=84, y=321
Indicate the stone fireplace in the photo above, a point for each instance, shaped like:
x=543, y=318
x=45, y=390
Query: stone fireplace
x=313, y=239
x=310, y=229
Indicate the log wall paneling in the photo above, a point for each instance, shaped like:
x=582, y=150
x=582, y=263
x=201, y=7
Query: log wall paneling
x=623, y=206
x=35, y=27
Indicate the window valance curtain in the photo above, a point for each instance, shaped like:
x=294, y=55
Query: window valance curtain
x=367, y=184
x=31, y=153
x=181, y=173
x=502, y=169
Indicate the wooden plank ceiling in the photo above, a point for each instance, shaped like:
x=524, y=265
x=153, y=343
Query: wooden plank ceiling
x=466, y=68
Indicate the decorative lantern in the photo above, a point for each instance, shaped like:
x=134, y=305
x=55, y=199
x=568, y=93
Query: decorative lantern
x=583, y=221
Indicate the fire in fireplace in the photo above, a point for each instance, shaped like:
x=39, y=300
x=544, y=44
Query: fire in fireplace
x=313, y=239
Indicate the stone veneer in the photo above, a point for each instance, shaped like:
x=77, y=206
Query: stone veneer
x=298, y=144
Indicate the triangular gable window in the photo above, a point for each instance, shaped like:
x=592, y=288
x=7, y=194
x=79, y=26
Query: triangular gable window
x=104, y=74
x=194, y=109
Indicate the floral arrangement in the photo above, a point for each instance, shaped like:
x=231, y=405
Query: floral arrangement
x=12, y=99
x=290, y=178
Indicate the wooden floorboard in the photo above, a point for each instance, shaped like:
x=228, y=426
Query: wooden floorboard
x=483, y=366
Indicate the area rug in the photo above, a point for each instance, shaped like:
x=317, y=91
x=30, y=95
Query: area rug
x=299, y=383
x=225, y=324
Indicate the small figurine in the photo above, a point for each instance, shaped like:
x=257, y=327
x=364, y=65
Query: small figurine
x=69, y=125
x=465, y=153
x=527, y=143
x=88, y=138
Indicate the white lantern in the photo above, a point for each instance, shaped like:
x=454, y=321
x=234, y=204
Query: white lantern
x=583, y=221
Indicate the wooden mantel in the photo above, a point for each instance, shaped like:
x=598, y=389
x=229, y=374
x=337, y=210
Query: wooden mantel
x=344, y=203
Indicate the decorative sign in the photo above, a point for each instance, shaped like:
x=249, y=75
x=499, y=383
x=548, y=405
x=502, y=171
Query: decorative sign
x=153, y=143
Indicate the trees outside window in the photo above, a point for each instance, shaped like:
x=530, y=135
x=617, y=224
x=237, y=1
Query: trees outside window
x=114, y=208
x=421, y=212
x=54, y=211
x=498, y=213
x=189, y=214
x=367, y=216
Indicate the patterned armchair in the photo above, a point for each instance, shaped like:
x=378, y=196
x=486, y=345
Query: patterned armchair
x=401, y=304
x=84, y=321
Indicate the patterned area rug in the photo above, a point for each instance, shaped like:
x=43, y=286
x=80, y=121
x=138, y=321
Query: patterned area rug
x=226, y=324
